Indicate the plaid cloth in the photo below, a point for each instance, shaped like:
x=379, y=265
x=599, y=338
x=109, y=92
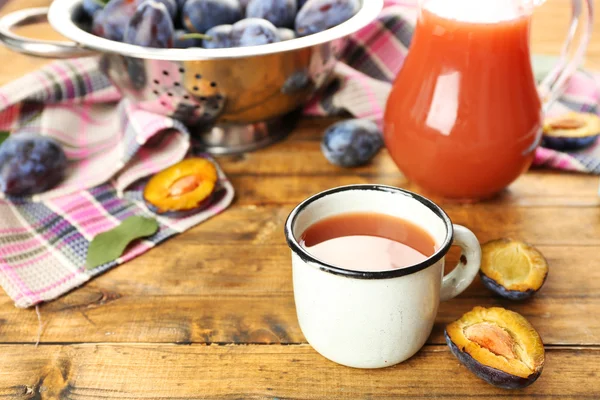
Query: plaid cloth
x=375, y=55
x=44, y=240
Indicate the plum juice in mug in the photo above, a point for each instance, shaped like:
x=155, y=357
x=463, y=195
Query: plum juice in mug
x=364, y=241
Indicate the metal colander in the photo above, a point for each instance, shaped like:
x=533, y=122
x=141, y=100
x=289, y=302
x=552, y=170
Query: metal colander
x=233, y=100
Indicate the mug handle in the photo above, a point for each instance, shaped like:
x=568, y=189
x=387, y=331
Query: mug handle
x=553, y=85
x=461, y=277
x=35, y=47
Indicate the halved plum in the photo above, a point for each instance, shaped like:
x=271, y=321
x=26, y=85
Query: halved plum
x=182, y=189
x=571, y=131
x=499, y=346
x=512, y=269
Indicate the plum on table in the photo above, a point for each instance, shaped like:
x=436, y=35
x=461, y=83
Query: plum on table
x=497, y=345
x=512, y=269
x=30, y=164
x=351, y=143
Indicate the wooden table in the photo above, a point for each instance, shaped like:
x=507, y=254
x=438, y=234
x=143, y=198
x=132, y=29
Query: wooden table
x=210, y=314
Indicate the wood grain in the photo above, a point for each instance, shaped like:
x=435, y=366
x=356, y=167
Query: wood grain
x=228, y=281
x=100, y=372
x=204, y=307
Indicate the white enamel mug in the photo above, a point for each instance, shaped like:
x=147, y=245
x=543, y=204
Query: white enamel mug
x=375, y=319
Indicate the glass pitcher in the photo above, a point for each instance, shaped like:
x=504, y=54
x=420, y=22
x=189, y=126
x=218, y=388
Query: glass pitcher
x=464, y=116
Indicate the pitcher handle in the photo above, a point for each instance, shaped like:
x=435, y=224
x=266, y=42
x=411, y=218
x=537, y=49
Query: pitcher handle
x=35, y=47
x=552, y=86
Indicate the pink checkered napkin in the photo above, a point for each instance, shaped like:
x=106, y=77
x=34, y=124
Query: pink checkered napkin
x=375, y=55
x=44, y=240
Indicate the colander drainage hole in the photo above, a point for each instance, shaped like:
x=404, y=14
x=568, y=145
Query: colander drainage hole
x=186, y=97
x=176, y=83
x=156, y=82
x=198, y=76
x=195, y=88
x=156, y=92
x=170, y=94
x=213, y=84
x=166, y=73
x=202, y=98
x=182, y=70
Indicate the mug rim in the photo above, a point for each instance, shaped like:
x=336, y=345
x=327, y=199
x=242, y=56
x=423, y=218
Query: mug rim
x=394, y=273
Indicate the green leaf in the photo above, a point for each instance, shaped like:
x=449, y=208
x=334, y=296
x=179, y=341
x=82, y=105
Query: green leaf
x=110, y=245
x=3, y=136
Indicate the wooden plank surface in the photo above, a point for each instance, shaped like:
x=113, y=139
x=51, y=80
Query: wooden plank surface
x=228, y=282
x=205, y=306
x=101, y=372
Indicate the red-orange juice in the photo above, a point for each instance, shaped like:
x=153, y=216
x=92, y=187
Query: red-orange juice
x=464, y=116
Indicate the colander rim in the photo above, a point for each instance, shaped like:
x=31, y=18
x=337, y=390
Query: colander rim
x=61, y=15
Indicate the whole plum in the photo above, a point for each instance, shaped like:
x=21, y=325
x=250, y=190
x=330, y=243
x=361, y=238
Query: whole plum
x=201, y=15
x=319, y=15
x=351, y=143
x=91, y=6
x=170, y=4
x=253, y=32
x=286, y=34
x=30, y=164
x=220, y=37
x=280, y=13
x=150, y=26
x=111, y=22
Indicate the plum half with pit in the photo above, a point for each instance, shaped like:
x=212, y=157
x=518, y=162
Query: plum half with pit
x=571, y=131
x=30, y=164
x=182, y=189
x=497, y=345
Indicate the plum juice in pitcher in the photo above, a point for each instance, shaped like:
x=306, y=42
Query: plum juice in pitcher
x=464, y=117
